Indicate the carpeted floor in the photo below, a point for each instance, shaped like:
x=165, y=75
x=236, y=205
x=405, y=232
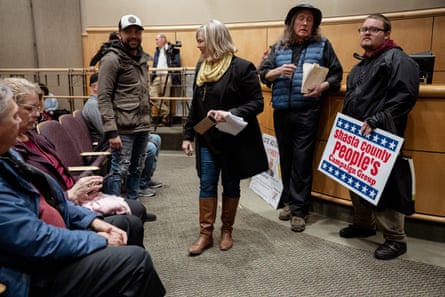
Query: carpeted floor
x=267, y=258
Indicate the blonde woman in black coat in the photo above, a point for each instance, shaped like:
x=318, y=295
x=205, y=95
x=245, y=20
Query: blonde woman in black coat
x=224, y=84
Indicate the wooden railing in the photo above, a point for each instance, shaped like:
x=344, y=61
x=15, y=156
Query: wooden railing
x=70, y=85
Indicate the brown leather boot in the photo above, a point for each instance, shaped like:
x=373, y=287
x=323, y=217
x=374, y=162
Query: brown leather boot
x=207, y=215
x=229, y=206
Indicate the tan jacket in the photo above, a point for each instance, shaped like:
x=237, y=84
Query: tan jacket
x=123, y=92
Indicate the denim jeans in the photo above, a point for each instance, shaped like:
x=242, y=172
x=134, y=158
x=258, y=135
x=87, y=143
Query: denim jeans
x=127, y=164
x=211, y=166
x=151, y=159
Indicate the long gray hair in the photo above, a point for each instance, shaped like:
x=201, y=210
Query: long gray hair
x=289, y=36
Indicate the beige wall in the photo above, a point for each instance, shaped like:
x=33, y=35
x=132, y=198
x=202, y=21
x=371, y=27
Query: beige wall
x=192, y=12
x=415, y=31
x=48, y=33
x=16, y=15
x=40, y=33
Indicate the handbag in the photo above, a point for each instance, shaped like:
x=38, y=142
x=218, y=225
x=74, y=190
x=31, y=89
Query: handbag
x=399, y=192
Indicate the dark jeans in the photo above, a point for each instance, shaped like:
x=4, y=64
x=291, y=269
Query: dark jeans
x=296, y=131
x=127, y=164
x=112, y=271
x=151, y=159
x=211, y=166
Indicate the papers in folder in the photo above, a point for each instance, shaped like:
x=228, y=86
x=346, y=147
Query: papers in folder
x=313, y=74
x=233, y=124
x=204, y=125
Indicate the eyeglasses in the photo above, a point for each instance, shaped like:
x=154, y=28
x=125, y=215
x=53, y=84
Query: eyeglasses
x=373, y=30
x=30, y=107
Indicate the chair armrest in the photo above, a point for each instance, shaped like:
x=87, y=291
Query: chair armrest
x=83, y=168
x=89, y=154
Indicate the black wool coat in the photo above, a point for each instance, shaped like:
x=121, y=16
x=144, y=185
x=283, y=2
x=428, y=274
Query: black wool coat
x=239, y=92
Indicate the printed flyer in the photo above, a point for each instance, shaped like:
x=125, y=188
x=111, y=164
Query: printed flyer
x=268, y=184
x=360, y=163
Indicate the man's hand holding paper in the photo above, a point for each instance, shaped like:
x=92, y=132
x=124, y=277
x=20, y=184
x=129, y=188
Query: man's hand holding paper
x=313, y=78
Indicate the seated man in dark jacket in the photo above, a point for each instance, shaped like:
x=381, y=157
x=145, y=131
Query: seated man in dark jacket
x=49, y=246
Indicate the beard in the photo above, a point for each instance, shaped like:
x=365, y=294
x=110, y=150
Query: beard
x=131, y=45
x=366, y=45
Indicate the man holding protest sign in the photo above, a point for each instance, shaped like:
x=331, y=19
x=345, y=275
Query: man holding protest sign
x=381, y=90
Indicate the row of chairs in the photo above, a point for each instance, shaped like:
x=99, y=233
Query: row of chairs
x=72, y=140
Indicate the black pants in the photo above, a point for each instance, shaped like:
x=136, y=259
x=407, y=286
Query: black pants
x=132, y=225
x=296, y=131
x=112, y=271
x=137, y=208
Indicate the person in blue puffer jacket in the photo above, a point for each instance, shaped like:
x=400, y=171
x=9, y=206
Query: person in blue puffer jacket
x=296, y=115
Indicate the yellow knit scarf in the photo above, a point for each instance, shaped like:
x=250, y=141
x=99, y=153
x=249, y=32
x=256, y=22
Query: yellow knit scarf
x=210, y=72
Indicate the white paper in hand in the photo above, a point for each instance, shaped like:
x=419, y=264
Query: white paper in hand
x=233, y=124
x=313, y=74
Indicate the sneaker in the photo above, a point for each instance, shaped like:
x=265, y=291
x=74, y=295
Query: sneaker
x=354, y=231
x=154, y=184
x=390, y=250
x=150, y=217
x=147, y=192
x=285, y=214
x=297, y=224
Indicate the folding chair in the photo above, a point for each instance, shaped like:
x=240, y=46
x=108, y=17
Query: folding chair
x=66, y=149
x=80, y=134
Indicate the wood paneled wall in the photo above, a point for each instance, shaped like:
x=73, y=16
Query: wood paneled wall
x=423, y=142
x=415, y=31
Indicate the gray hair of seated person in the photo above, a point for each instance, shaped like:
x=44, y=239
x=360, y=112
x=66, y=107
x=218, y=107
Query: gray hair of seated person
x=5, y=96
x=21, y=88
